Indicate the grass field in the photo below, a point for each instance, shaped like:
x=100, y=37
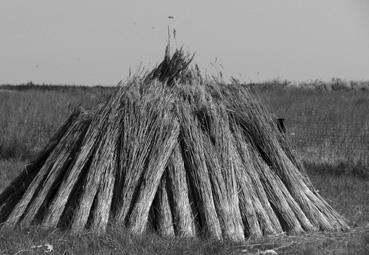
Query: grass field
x=328, y=129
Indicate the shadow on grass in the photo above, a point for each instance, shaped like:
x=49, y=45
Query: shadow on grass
x=341, y=170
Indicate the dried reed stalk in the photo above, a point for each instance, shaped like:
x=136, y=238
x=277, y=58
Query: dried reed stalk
x=183, y=218
x=164, y=219
x=256, y=122
x=258, y=212
x=292, y=217
x=59, y=158
x=100, y=180
x=218, y=155
x=164, y=143
x=79, y=166
x=13, y=193
x=147, y=130
x=193, y=151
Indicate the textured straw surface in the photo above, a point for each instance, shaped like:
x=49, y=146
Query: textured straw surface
x=174, y=153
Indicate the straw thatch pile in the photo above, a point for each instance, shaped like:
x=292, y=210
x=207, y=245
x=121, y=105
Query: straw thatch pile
x=173, y=153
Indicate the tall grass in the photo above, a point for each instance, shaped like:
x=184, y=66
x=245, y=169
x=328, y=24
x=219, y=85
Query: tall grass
x=328, y=127
x=29, y=118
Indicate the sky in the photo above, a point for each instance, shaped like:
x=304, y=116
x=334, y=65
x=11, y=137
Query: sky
x=94, y=42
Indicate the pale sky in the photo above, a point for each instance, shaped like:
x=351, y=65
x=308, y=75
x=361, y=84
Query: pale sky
x=94, y=42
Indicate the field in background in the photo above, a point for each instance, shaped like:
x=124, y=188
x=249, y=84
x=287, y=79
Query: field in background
x=325, y=126
x=329, y=129
x=28, y=117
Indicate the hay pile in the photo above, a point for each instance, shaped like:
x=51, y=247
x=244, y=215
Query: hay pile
x=175, y=154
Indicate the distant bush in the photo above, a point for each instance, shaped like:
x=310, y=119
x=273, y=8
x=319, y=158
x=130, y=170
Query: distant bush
x=53, y=87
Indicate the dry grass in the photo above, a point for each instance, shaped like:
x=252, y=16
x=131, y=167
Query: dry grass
x=120, y=242
x=29, y=118
x=9, y=170
x=348, y=194
x=325, y=127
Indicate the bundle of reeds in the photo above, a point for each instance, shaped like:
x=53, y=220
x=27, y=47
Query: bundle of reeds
x=172, y=153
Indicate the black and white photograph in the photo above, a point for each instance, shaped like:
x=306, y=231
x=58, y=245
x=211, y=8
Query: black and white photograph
x=184, y=127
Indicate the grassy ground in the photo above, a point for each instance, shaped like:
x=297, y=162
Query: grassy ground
x=329, y=129
x=38, y=241
x=29, y=118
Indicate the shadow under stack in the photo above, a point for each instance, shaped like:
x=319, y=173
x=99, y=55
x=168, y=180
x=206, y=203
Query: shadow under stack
x=173, y=153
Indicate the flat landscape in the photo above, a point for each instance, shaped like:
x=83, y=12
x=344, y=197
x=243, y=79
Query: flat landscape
x=328, y=128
